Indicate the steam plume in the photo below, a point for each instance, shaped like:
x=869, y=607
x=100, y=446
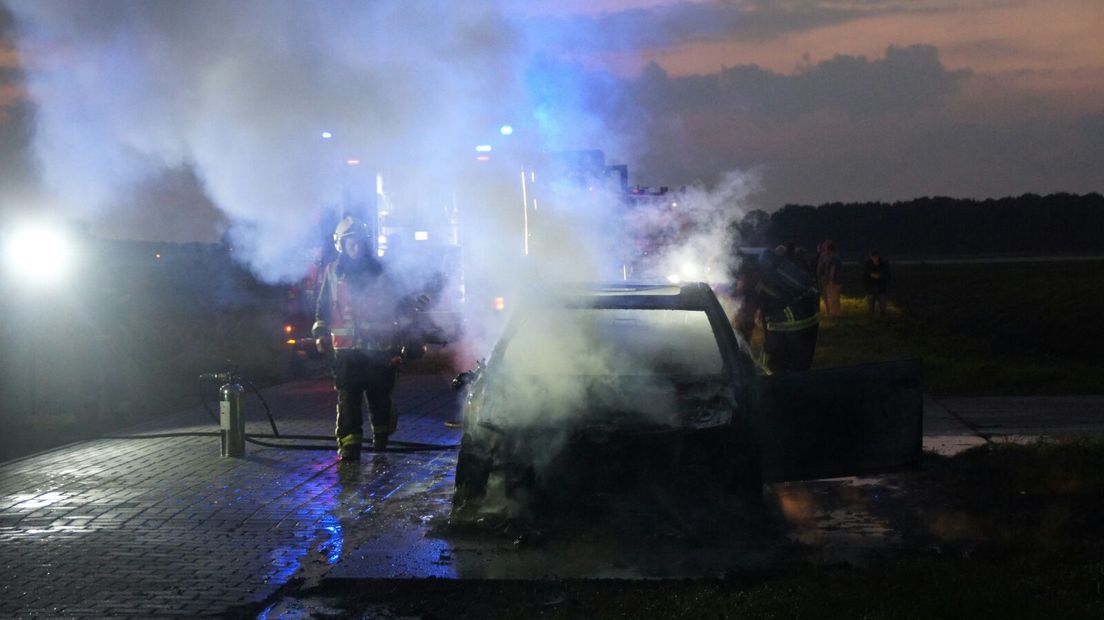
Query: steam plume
x=233, y=97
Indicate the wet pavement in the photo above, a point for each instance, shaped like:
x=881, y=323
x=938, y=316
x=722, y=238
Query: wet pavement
x=162, y=526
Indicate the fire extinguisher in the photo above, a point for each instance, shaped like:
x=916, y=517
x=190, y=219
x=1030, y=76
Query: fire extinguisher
x=231, y=413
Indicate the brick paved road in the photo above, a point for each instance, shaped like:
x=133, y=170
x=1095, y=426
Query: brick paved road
x=165, y=527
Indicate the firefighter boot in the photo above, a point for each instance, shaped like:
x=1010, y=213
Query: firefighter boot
x=348, y=447
x=349, y=424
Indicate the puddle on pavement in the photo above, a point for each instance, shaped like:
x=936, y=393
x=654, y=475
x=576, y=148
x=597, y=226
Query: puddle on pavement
x=845, y=520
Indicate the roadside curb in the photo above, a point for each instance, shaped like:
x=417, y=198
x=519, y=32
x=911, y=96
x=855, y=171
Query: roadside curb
x=945, y=433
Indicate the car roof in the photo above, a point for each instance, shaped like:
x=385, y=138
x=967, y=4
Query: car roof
x=694, y=295
x=697, y=296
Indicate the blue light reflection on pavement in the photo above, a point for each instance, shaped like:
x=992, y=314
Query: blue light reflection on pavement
x=314, y=524
x=332, y=519
x=389, y=518
x=332, y=547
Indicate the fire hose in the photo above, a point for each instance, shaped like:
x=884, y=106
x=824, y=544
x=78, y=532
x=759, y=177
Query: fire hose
x=232, y=377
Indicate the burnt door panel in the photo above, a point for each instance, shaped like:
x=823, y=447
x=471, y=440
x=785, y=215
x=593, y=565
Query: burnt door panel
x=840, y=421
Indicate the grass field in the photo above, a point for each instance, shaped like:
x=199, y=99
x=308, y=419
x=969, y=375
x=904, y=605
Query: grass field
x=1017, y=328
x=1045, y=308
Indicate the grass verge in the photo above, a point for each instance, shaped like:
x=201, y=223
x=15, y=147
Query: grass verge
x=956, y=362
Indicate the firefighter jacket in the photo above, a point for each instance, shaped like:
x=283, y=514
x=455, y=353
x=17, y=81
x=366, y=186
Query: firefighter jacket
x=361, y=307
x=787, y=295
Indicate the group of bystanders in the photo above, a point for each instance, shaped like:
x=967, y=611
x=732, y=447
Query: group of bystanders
x=828, y=268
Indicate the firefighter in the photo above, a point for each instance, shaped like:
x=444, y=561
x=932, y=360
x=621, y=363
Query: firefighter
x=360, y=319
x=784, y=296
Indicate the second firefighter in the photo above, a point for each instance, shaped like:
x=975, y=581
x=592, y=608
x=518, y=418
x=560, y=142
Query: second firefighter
x=776, y=289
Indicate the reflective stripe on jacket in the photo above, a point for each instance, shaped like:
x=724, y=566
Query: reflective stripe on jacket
x=789, y=301
x=359, y=310
x=791, y=323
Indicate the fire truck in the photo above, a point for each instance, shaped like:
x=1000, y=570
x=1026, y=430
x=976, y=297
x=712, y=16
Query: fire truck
x=470, y=245
x=642, y=232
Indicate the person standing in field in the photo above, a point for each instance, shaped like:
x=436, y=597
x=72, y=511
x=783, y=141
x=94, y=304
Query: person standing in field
x=829, y=269
x=876, y=277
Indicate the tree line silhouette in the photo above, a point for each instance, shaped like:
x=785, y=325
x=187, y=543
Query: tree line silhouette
x=1028, y=225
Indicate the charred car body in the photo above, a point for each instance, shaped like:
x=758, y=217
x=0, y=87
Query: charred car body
x=599, y=388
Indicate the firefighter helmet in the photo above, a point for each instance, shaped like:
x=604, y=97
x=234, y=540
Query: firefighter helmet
x=349, y=227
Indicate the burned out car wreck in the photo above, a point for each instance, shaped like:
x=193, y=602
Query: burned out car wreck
x=611, y=388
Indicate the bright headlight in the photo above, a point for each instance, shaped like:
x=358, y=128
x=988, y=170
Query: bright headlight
x=689, y=271
x=39, y=255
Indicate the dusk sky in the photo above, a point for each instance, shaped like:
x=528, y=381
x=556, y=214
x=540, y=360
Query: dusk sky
x=123, y=112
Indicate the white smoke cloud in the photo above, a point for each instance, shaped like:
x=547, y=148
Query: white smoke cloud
x=698, y=221
x=237, y=94
x=242, y=91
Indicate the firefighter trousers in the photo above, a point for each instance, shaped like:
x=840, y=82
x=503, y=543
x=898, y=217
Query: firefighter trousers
x=359, y=376
x=790, y=350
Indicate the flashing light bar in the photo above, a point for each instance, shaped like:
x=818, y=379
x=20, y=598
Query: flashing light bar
x=483, y=148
